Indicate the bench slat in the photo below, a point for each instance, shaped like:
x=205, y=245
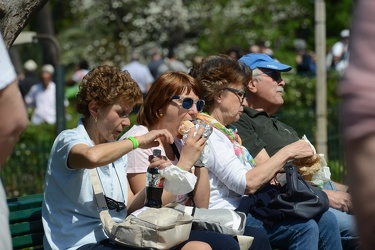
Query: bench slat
x=25, y=202
x=31, y=214
x=30, y=240
x=25, y=228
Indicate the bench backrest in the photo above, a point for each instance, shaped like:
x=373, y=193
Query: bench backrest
x=25, y=219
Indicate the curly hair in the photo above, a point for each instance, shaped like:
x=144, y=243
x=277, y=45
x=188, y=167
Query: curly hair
x=217, y=72
x=160, y=95
x=105, y=85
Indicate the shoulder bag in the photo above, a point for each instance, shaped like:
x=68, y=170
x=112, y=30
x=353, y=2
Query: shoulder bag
x=151, y=228
x=299, y=199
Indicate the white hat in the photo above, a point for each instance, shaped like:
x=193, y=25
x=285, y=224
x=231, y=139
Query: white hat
x=48, y=68
x=344, y=33
x=30, y=65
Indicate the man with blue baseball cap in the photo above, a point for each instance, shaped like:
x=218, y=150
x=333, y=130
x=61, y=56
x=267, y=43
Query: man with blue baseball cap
x=263, y=61
x=264, y=135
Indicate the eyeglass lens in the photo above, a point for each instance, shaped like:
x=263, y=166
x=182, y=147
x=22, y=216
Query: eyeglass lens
x=188, y=102
x=239, y=93
x=275, y=75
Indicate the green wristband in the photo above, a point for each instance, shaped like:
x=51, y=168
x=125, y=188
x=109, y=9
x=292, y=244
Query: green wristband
x=134, y=141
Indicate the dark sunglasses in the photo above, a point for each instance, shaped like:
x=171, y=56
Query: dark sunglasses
x=275, y=75
x=113, y=204
x=187, y=102
x=239, y=93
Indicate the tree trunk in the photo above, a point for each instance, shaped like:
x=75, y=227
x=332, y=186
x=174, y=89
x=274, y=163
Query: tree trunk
x=45, y=26
x=15, y=15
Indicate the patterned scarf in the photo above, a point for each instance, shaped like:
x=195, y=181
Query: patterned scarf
x=231, y=133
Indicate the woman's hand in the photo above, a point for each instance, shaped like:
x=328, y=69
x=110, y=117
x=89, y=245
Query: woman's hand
x=192, y=148
x=149, y=140
x=159, y=161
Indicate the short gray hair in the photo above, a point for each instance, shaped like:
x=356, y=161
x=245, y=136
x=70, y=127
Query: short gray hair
x=256, y=73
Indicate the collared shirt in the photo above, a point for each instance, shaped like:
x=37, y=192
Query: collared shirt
x=69, y=211
x=258, y=130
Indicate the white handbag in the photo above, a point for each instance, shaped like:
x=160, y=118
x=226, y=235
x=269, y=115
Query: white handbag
x=154, y=228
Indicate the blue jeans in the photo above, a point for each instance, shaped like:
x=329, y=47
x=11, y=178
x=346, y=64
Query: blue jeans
x=321, y=232
x=347, y=225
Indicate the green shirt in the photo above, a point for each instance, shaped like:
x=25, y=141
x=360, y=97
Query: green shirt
x=258, y=130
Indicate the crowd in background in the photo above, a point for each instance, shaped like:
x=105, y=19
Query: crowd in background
x=146, y=66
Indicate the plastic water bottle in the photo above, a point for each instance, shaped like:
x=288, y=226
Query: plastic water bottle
x=154, y=184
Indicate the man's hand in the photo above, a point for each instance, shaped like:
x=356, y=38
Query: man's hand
x=339, y=200
x=299, y=149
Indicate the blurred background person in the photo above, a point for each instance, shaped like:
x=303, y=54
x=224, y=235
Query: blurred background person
x=339, y=54
x=305, y=60
x=234, y=53
x=42, y=98
x=81, y=69
x=171, y=63
x=30, y=78
x=139, y=72
x=156, y=60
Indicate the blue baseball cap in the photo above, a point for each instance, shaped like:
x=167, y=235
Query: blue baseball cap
x=254, y=60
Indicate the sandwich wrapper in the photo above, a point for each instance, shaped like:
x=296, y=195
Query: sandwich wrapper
x=178, y=181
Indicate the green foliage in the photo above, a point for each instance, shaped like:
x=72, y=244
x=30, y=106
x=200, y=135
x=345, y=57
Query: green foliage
x=338, y=172
x=24, y=171
x=108, y=30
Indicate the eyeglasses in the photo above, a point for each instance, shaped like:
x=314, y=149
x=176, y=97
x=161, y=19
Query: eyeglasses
x=113, y=204
x=187, y=102
x=275, y=75
x=239, y=93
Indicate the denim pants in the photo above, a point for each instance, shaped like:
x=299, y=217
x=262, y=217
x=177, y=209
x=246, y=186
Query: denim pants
x=321, y=232
x=347, y=225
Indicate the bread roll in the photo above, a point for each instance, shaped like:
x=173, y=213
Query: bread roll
x=308, y=166
x=185, y=126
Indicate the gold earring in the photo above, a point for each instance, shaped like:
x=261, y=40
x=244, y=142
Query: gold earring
x=96, y=119
x=160, y=113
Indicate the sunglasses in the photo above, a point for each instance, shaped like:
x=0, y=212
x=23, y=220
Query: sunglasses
x=113, y=204
x=239, y=93
x=275, y=75
x=187, y=102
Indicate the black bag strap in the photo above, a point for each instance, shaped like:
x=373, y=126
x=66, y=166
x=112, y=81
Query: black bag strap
x=175, y=151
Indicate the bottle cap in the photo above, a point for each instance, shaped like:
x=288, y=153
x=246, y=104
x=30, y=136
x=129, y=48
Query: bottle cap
x=156, y=152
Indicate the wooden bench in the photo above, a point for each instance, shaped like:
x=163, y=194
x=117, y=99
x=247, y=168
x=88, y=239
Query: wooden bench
x=25, y=219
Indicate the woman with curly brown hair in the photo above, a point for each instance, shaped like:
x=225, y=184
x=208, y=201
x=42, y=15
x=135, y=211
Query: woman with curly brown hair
x=70, y=215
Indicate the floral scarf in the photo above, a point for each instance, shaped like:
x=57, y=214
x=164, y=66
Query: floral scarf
x=231, y=133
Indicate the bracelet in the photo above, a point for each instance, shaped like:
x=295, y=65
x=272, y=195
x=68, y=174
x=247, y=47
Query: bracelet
x=134, y=141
